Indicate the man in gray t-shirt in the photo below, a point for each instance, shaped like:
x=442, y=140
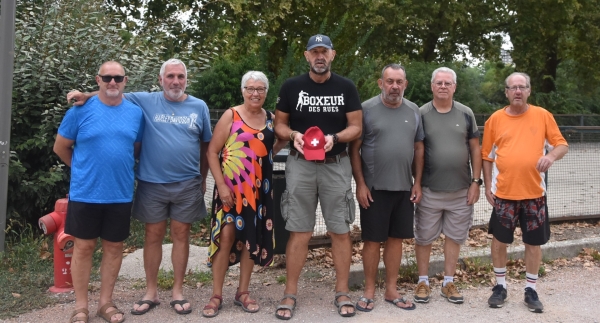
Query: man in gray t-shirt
x=383, y=159
x=449, y=191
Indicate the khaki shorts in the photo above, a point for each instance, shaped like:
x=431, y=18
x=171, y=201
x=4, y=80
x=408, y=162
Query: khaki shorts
x=443, y=212
x=307, y=183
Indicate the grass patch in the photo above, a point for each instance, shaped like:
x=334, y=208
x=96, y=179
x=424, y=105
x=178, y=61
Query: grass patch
x=281, y=279
x=310, y=274
x=26, y=271
x=408, y=273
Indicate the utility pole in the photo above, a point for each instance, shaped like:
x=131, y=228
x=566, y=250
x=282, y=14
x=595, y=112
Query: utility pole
x=7, y=60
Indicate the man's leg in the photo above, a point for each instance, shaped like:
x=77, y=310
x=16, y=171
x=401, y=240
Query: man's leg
x=154, y=235
x=499, y=254
x=370, y=257
x=422, y=254
x=81, y=266
x=451, y=252
x=180, y=234
x=499, y=293
x=341, y=249
x=112, y=256
x=295, y=257
x=392, y=257
x=533, y=257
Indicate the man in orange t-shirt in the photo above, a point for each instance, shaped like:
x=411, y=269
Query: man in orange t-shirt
x=520, y=143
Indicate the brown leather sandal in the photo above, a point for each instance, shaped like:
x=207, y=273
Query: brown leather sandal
x=106, y=316
x=74, y=319
x=210, y=306
x=244, y=304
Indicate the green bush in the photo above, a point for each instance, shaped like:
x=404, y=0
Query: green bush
x=59, y=46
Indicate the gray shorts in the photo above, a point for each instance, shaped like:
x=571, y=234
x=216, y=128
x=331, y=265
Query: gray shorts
x=443, y=212
x=307, y=183
x=181, y=201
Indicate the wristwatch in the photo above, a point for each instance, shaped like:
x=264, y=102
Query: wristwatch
x=479, y=181
x=335, y=138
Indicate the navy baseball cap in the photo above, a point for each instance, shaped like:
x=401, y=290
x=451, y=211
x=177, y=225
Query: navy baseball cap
x=319, y=41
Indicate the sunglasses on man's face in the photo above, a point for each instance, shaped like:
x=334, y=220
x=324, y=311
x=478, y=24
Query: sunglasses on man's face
x=108, y=78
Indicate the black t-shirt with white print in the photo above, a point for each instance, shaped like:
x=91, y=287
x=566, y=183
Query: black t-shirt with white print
x=319, y=104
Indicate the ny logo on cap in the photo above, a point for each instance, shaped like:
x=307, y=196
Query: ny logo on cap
x=319, y=38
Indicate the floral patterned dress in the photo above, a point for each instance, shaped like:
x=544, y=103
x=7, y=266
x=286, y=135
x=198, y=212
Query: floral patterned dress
x=247, y=166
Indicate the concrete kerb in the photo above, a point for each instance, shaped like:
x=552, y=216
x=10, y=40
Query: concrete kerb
x=550, y=251
x=133, y=265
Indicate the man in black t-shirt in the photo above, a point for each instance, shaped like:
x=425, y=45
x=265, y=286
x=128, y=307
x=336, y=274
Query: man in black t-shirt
x=329, y=101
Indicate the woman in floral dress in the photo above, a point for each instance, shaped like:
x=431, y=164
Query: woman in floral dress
x=240, y=156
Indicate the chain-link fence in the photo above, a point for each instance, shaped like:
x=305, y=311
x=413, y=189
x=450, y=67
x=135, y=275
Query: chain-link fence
x=573, y=182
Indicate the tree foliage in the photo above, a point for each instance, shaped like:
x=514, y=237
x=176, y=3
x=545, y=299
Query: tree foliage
x=59, y=46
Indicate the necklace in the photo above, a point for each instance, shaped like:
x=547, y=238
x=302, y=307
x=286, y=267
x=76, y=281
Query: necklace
x=172, y=111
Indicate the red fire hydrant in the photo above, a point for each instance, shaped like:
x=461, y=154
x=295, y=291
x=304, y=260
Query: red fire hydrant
x=63, y=246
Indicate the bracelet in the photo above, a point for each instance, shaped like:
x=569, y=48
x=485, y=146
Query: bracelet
x=293, y=134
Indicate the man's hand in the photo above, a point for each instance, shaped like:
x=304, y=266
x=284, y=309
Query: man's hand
x=544, y=163
x=490, y=197
x=473, y=194
x=299, y=142
x=363, y=196
x=78, y=97
x=416, y=193
x=328, y=143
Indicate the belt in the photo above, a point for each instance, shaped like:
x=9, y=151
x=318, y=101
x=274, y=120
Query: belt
x=327, y=160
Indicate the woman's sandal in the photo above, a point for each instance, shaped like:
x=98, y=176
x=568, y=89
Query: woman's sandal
x=210, y=306
x=290, y=308
x=244, y=304
x=74, y=319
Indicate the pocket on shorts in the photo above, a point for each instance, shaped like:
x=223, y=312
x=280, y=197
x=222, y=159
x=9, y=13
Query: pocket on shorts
x=350, y=206
x=285, y=205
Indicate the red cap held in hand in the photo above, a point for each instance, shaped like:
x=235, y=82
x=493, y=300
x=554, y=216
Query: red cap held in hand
x=314, y=144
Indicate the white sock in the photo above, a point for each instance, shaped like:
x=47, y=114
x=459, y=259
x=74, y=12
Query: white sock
x=531, y=280
x=448, y=279
x=424, y=279
x=500, y=276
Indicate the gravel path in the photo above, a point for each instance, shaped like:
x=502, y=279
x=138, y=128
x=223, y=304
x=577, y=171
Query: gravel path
x=569, y=294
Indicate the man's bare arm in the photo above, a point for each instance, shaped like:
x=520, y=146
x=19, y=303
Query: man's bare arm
x=79, y=97
x=63, y=147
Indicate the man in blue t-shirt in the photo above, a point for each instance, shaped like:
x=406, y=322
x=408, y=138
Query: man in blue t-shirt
x=99, y=141
x=170, y=176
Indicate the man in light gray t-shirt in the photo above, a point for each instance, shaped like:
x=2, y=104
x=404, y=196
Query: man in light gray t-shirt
x=449, y=191
x=382, y=162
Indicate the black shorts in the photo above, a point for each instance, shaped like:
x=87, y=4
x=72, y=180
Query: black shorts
x=92, y=220
x=531, y=215
x=391, y=214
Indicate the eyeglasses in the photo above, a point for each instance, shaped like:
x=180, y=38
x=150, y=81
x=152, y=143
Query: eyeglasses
x=514, y=88
x=440, y=84
x=108, y=78
x=260, y=90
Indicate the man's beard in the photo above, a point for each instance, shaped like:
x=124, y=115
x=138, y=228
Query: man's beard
x=175, y=94
x=113, y=93
x=391, y=99
x=320, y=70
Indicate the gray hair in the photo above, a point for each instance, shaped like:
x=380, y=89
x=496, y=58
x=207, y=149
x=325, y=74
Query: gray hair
x=443, y=70
x=393, y=66
x=257, y=76
x=172, y=61
x=527, y=78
